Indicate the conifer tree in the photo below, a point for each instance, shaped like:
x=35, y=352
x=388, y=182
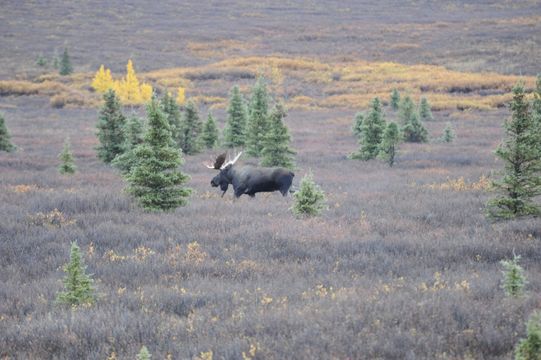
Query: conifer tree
x=103, y=80
x=191, y=128
x=210, y=133
x=387, y=147
x=530, y=347
x=133, y=131
x=448, y=133
x=414, y=130
x=276, y=150
x=110, y=126
x=67, y=166
x=371, y=132
x=257, y=118
x=406, y=110
x=357, y=124
x=536, y=110
x=77, y=284
x=514, y=279
x=155, y=180
x=310, y=199
x=41, y=61
x=144, y=354
x=235, y=127
x=521, y=154
x=425, y=111
x=5, y=137
x=395, y=99
x=65, y=64
x=172, y=112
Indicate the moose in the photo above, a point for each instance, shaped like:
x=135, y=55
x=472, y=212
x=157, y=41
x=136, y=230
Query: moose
x=249, y=179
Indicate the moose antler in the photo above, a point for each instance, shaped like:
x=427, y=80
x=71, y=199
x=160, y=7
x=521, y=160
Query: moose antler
x=231, y=162
x=220, y=159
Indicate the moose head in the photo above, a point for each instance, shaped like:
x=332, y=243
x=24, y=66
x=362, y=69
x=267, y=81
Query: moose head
x=224, y=177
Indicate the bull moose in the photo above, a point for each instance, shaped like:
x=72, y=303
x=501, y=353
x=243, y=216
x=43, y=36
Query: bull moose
x=249, y=179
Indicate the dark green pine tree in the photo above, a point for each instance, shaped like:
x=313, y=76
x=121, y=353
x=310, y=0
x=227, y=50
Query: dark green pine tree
x=389, y=143
x=371, y=132
x=134, y=135
x=65, y=64
x=155, y=180
x=414, y=130
x=425, y=110
x=210, y=134
x=111, y=124
x=448, y=133
x=67, y=165
x=530, y=347
x=536, y=110
x=521, y=154
x=395, y=100
x=310, y=199
x=357, y=124
x=406, y=110
x=172, y=112
x=276, y=150
x=5, y=137
x=235, y=127
x=77, y=284
x=257, y=118
x=191, y=128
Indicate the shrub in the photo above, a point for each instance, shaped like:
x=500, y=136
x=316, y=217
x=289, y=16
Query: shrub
x=425, y=111
x=77, y=283
x=448, y=133
x=357, y=124
x=514, y=279
x=414, y=130
x=530, y=347
x=310, y=199
x=67, y=166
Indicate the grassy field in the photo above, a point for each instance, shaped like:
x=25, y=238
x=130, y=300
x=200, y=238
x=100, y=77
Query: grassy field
x=402, y=265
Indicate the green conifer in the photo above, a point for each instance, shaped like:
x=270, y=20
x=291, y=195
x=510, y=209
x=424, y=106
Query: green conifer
x=530, y=347
x=520, y=152
x=414, y=130
x=41, y=61
x=371, y=132
x=77, y=284
x=276, y=150
x=388, y=146
x=191, y=129
x=406, y=110
x=172, y=112
x=425, y=111
x=536, y=110
x=155, y=180
x=210, y=133
x=65, y=64
x=514, y=279
x=111, y=125
x=448, y=133
x=134, y=135
x=309, y=200
x=67, y=166
x=5, y=137
x=358, y=124
x=395, y=99
x=235, y=127
x=257, y=118
x=144, y=354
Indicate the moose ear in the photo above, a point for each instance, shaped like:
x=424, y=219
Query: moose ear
x=219, y=161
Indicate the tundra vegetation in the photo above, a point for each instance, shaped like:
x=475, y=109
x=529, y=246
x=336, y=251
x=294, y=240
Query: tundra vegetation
x=402, y=263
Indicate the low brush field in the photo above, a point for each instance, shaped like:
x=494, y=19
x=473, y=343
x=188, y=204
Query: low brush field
x=403, y=264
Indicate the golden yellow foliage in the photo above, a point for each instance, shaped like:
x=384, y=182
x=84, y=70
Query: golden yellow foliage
x=181, y=96
x=103, y=80
x=146, y=92
x=461, y=185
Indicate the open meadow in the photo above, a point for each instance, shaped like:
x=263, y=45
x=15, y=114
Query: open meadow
x=403, y=263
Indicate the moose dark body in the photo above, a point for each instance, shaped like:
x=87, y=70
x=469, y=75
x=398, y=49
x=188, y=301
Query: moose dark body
x=250, y=179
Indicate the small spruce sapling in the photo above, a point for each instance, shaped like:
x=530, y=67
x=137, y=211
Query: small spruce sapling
x=77, y=284
x=514, y=278
x=309, y=200
x=389, y=143
x=210, y=134
x=372, y=129
x=530, y=347
x=425, y=111
x=67, y=165
x=395, y=100
x=276, y=150
x=448, y=133
x=66, y=67
x=357, y=124
x=144, y=354
x=5, y=137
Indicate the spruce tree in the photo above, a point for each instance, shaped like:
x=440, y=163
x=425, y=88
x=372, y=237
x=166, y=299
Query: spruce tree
x=190, y=130
x=67, y=166
x=144, y=354
x=210, y=133
x=5, y=137
x=371, y=132
x=309, y=200
x=387, y=147
x=406, y=110
x=395, y=99
x=77, y=284
x=530, y=347
x=521, y=154
x=276, y=150
x=536, y=110
x=134, y=134
x=514, y=279
x=172, y=112
x=110, y=126
x=425, y=111
x=357, y=124
x=235, y=127
x=65, y=64
x=257, y=118
x=155, y=180
x=414, y=130
x=448, y=133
